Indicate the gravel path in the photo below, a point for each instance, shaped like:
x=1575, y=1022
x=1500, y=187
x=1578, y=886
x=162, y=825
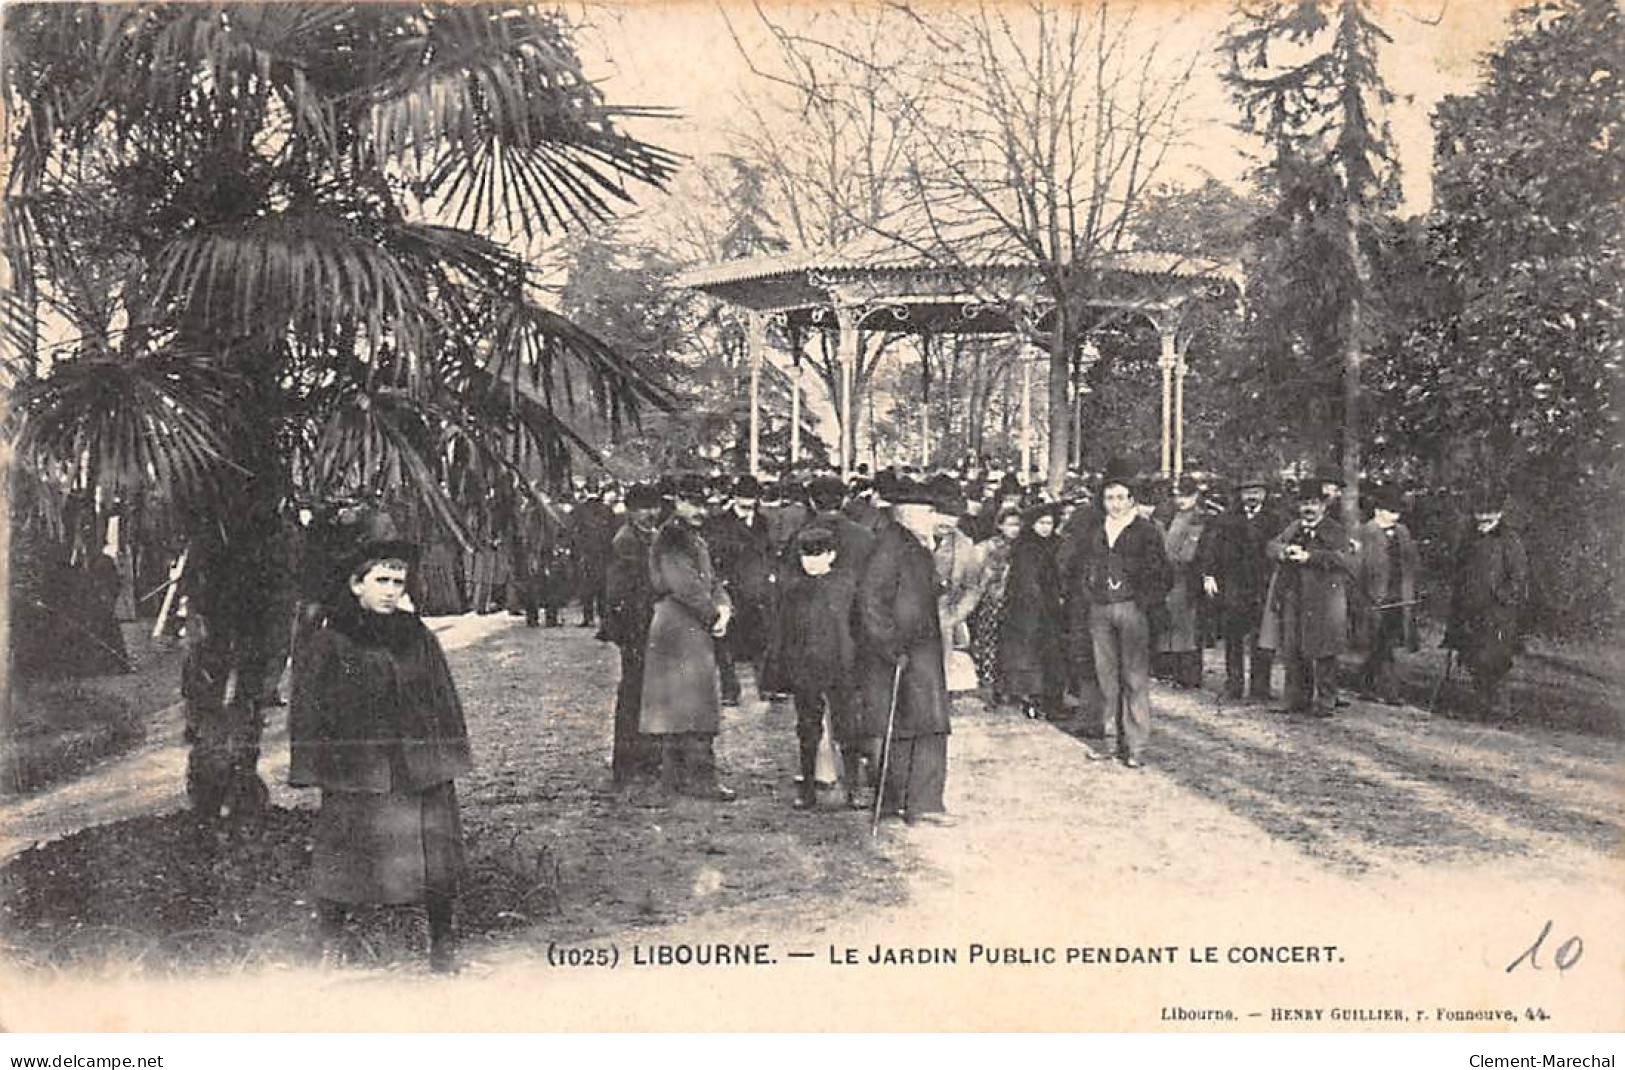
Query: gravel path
x=1428, y=852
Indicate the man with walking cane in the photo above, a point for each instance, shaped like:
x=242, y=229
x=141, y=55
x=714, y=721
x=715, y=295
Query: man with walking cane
x=900, y=667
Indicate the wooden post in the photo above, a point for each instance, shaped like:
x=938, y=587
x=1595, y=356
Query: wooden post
x=755, y=338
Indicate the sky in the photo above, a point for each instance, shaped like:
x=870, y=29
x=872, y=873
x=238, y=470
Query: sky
x=682, y=55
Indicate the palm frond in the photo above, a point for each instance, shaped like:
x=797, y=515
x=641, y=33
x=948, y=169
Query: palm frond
x=161, y=423
x=310, y=270
x=491, y=110
x=380, y=439
x=540, y=349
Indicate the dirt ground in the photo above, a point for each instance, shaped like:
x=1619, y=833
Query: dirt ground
x=1428, y=851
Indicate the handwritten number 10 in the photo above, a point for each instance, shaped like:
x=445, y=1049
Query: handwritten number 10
x=1568, y=952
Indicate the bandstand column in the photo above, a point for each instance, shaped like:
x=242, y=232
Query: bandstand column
x=925, y=404
x=847, y=349
x=755, y=340
x=1179, y=414
x=1166, y=362
x=796, y=341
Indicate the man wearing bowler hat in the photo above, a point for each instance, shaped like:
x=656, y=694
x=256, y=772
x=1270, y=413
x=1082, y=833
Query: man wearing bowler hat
x=1488, y=589
x=1385, y=619
x=628, y=609
x=1306, y=609
x=1235, y=573
x=741, y=551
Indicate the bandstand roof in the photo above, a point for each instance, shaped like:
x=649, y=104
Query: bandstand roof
x=897, y=285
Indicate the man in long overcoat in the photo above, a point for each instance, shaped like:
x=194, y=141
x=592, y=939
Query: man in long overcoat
x=628, y=609
x=681, y=702
x=1306, y=609
x=1489, y=585
x=1387, y=570
x=1236, y=573
x=959, y=570
x=901, y=644
x=1181, y=642
x=741, y=552
x=592, y=527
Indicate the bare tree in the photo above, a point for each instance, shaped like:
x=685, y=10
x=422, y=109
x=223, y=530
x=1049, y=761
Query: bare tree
x=1031, y=136
x=835, y=157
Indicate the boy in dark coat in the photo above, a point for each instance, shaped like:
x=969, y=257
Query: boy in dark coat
x=816, y=610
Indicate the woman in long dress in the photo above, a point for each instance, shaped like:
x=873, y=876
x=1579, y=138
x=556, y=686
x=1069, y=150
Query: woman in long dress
x=375, y=722
x=988, y=617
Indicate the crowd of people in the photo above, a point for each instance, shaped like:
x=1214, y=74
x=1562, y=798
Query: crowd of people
x=866, y=604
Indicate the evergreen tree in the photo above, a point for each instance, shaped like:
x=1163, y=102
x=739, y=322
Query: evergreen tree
x=1304, y=73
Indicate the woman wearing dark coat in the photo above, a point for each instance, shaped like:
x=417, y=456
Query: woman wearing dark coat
x=897, y=604
x=1030, y=640
x=682, y=702
x=375, y=722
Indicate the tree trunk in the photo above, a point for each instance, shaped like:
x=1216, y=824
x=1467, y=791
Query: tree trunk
x=242, y=583
x=1353, y=358
x=8, y=724
x=1060, y=405
x=976, y=410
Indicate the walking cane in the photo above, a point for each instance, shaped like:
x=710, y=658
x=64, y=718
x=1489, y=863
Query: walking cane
x=885, y=745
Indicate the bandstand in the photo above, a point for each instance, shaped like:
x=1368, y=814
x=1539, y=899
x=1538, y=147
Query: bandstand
x=884, y=285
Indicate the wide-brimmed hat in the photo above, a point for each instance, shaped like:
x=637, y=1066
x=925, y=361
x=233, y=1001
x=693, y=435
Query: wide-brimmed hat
x=1486, y=500
x=747, y=486
x=1308, y=490
x=815, y=539
x=1119, y=472
x=1035, y=513
x=1253, y=479
x=1387, y=496
x=946, y=495
x=902, y=491
x=371, y=550
x=690, y=487
x=643, y=496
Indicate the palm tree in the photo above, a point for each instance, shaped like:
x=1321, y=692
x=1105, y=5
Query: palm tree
x=272, y=251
